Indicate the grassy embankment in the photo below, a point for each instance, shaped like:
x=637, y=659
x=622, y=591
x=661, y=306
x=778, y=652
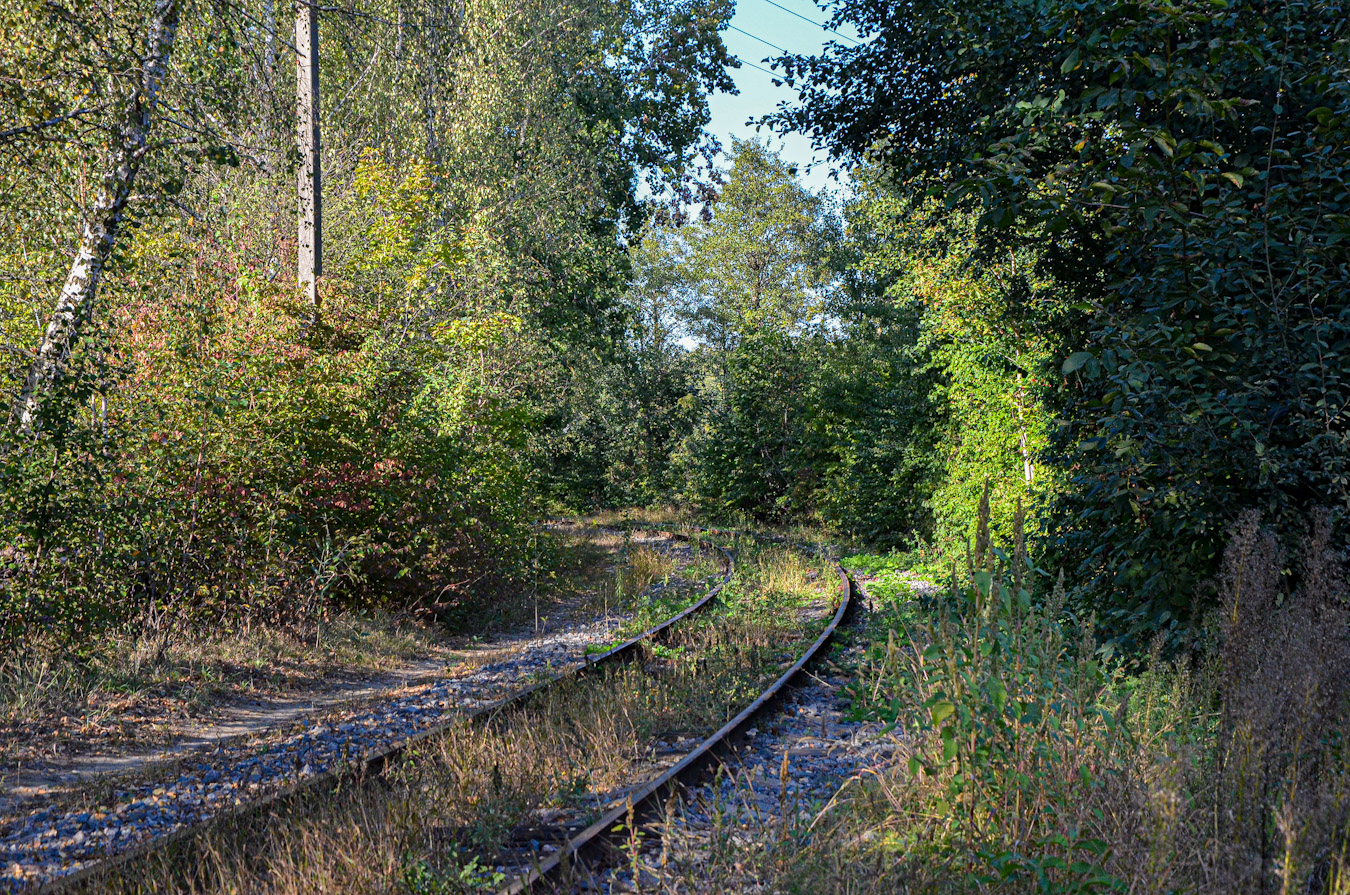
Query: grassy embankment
x=1042, y=763
x=138, y=686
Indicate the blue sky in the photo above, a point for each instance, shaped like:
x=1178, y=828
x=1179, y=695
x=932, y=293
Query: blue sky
x=758, y=96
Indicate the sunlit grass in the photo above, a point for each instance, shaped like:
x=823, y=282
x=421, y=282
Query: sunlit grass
x=443, y=817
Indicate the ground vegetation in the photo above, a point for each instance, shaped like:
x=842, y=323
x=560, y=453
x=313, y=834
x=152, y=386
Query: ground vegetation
x=1069, y=342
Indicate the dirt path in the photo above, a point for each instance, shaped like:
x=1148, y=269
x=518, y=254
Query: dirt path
x=55, y=818
x=64, y=767
x=233, y=720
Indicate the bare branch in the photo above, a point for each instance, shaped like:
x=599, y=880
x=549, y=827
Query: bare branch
x=15, y=132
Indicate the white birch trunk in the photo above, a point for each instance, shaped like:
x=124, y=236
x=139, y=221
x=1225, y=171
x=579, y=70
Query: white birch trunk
x=128, y=150
x=310, y=252
x=1028, y=466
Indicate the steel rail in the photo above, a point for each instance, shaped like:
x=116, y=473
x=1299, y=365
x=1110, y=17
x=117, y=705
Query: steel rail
x=597, y=839
x=373, y=763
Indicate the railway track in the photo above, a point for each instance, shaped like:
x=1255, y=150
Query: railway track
x=88, y=876
x=582, y=855
x=574, y=855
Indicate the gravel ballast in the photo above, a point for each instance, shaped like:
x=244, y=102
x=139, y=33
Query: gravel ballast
x=51, y=840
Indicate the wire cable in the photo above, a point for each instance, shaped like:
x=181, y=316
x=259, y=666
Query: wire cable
x=779, y=75
x=776, y=76
x=812, y=21
x=760, y=39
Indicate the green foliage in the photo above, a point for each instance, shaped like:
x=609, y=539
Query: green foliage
x=747, y=453
x=68, y=74
x=871, y=370
x=721, y=426
x=810, y=399
x=762, y=263
x=1180, y=169
x=975, y=353
x=1012, y=699
x=239, y=473
x=1042, y=762
x=421, y=878
x=216, y=454
x=755, y=280
x=891, y=577
x=870, y=424
x=624, y=410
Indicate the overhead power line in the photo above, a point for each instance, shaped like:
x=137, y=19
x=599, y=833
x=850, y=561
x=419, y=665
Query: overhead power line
x=774, y=74
x=758, y=38
x=812, y=21
x=756, y=67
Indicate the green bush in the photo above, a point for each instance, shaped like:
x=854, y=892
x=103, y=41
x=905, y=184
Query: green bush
x=1043, y=762
x=1179, y=170
x=231, y=466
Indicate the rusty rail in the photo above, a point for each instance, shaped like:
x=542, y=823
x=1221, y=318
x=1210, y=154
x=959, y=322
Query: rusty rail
x=87, y=878
x=598, y=840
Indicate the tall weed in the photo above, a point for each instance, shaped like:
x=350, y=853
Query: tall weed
x=1042, y=763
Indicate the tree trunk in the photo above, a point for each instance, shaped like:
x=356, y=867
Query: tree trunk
x=1028, y=465
x=310, y=253
x=128, y=150
x=269, y=46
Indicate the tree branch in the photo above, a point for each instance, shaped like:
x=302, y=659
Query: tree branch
x=15, y=132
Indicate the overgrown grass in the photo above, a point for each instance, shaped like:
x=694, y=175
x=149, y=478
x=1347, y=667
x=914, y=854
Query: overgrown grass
x=655, y=516
x=1041, y=763
x=439, y=821
x=133, y=682
x=128, y=683
x=644, y=566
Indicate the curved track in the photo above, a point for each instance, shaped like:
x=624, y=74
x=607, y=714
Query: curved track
x=599, y=840
x=87, y=878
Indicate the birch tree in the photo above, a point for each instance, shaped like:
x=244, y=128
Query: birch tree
x=126, y=154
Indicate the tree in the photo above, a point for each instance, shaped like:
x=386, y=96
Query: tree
x=1181, y=168
x=307, y=122
x=87, y=87
x=756, y=282
x=655, y=367
x=984, y=332
x=764, y=260
x=207, y=441
x=133, y=122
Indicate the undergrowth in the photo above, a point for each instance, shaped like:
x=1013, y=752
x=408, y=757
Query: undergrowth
x=440, y=822
x=1040, y=762
x=130, y=682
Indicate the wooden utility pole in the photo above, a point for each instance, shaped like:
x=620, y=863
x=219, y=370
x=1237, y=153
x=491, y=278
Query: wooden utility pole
x=310, y=254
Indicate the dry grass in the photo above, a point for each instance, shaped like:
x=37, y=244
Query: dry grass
x=787, y=572
x=128, y=686
x=1037, y=768
x=1048, y=770
x=794, y=849
x=655, y=517
x=435, y=822
x=606, y=570
x=644, y=566
x=137, y=686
